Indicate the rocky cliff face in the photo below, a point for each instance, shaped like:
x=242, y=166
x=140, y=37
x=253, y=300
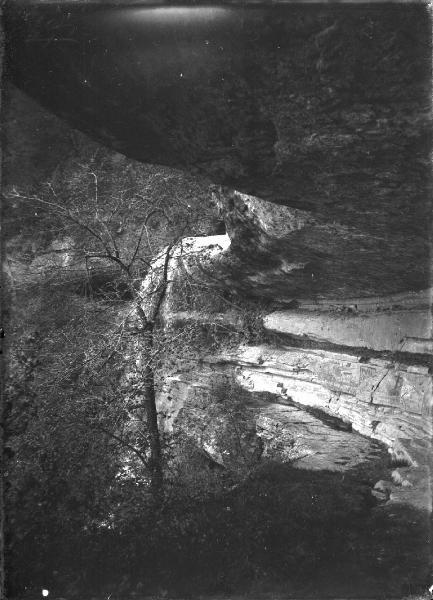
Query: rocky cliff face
x=334, y=245
x=287, y=254
x=324, y=112
x=330, y=377
x=334, y=144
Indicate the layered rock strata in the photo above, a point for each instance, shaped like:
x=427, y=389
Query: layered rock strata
x=307, y=416
x=334, y=378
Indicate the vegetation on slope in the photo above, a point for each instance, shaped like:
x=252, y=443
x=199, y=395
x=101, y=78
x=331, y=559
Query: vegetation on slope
x=81, y=514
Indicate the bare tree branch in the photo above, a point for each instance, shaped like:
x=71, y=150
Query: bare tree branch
x=159, y=301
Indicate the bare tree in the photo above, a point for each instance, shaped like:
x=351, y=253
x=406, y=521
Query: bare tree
x=97, y=234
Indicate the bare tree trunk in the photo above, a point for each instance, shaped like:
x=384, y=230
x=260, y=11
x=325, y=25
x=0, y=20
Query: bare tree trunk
x=155, y=462
x=147, y=336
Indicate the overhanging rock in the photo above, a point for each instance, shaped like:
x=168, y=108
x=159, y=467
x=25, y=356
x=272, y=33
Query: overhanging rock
x=393, y=330
x=387, y=401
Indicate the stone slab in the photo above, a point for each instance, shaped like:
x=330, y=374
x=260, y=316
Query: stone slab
x=396, y=331
x=391, y=402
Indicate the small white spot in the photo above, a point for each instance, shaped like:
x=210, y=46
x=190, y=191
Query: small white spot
x=181, y=75
x=45, y=593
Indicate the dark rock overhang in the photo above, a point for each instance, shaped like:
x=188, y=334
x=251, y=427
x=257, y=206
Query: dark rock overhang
x=322, y=108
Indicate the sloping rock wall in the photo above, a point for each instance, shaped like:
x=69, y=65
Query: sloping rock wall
x=287, y=254
x=384, y=400
x=323, y=409
x=333, y=377
x=365, y=361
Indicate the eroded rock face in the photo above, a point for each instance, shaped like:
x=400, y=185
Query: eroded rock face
x=285, y=254
x=320, y=410
x=388, y=402
x=268, y=427
x=322, y=110
x=404, y=331
x=321, y=119
x=384, y=400
x=334, y=382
